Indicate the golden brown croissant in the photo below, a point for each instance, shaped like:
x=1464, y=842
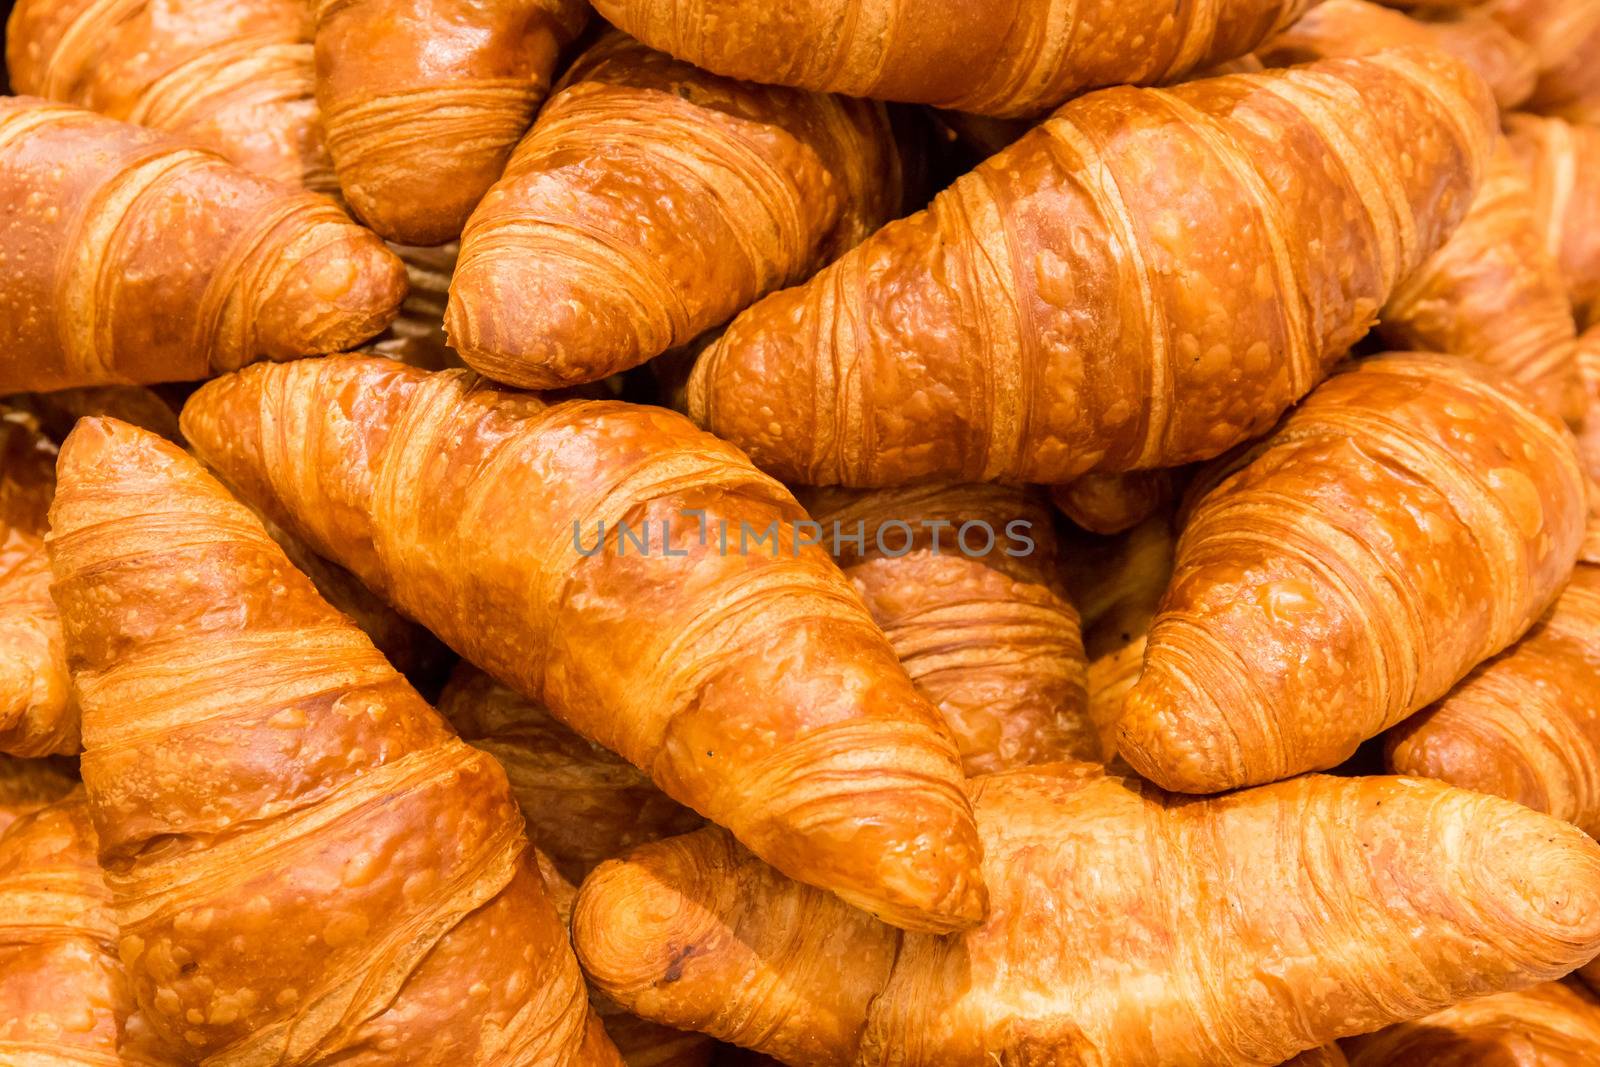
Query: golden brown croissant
x=234, y=75
x=651, y=202
x=1493, y=293
x=1129, y=927
x=1556, y=1024
x=964, y=581
x=1562, y=161
x=1359, y=28
x=306, y=864
x=741, y=671
x=423, y=100
x=37, y=713
x=26, y=785
x=1146, y=279
x=1326, y=1056
x=1565, y=36
x=181, y=265
x=1006, y=57
x=582, y=803
x=1411, y=519
x=1525, y=725
x=63, y=998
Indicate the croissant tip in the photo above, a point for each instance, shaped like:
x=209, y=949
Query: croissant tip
x=93, y=436
x=633, y=925
x=1551, y=870
x=334, y=298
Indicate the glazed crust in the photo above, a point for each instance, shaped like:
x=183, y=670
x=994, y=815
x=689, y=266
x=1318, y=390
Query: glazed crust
x=1129, y=927
x=234, y=75
x=1007, y=58
x=1562, y=161
x=1358, y=28
x=1411, y=519
x=1556, y=1024
x=651, y=202
x=305, y=863
x=1073, y=305
x=749, y=682
x=582, y=803
x=423, y=100
x=989, y=637
x=63, y=998
x=181, y=265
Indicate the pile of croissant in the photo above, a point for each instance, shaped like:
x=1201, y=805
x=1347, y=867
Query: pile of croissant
x=840, y=533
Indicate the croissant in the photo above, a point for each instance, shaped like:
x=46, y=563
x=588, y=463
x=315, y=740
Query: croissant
x=1113, y=503
x=1147, y=279
x=1118, y=586
x=1360, y=28
x=652, y=201
x=1326, y=1056
x=37, y=713
x=518, y=533
x=964, y=581
x=234, y=75
x=1556, y=1024
x=423, y=100
x=26, y=785
x=1006, y=58
x=582, y=803
x=1411, y=519
x=1128, y=927
x=1562, y=161
x=1494, y=293
x=1565, y=37
x=63, y=997
x=181, y=265
x=306, y=865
